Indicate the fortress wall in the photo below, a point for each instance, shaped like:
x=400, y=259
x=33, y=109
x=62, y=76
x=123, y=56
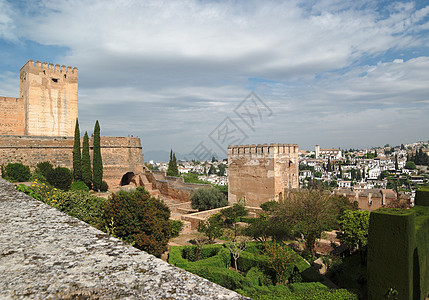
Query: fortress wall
x=120, y=154
x=50, y=94
x=259, y=173
x=12, y=116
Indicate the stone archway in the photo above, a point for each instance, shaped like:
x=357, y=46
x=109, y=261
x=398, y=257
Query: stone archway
x=130, y=178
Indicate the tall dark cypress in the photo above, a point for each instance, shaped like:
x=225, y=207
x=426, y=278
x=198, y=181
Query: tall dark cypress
x=97, y=163
x=77, y=160
x=86, y=162
x=172, y=165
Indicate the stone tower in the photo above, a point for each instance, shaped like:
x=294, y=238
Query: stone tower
x=261, y=173
x=50, y=99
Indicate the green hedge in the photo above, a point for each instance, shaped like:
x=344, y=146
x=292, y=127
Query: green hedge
x=222, y=276
x=398, y=253
x=307, y=291
x=221, y=259
x=422, y=196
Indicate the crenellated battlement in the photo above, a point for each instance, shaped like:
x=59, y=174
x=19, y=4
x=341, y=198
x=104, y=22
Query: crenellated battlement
x=262, y=149
x=50, y=67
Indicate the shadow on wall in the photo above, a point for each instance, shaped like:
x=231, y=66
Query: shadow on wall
x=131, y=178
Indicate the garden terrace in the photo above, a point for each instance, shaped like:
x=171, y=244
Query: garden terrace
x=47, y=254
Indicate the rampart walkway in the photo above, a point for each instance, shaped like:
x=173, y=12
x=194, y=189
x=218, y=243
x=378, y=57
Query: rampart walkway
x=45, y=254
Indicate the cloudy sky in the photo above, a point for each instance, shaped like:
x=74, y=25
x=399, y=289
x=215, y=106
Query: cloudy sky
x=196, y=76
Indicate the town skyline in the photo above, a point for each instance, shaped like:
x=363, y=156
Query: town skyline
x=333, y=73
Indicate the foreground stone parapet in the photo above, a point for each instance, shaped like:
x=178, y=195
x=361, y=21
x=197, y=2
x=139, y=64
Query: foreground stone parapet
x=45, y=254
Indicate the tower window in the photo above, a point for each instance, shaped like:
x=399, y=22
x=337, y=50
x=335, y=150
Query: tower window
x=55, y=79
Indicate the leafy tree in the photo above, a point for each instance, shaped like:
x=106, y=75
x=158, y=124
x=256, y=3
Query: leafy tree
x=205, y=199
x=214, y=159
x=97, y=163
x=268, y=225
x=354, y=230
x=310, y=212
x=192, y=178
x=231, y=216
x=410, y=165
x=212, y=170
x=318, y=174
x=172, y=165
x=77, y=160
x=60, y=178
x=235, y=248
x=86, y=162
x=329, y=166
x=358, y=175
x=44, y=168
x=221, y=170
x=281, y=259
x=139, y=219
x=212, y=227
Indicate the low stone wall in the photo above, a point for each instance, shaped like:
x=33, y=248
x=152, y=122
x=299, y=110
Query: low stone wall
x=173, y=187
x=45, y=254
x=196, y=218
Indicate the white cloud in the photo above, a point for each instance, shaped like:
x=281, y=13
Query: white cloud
x=154, y=67
x=7, y=26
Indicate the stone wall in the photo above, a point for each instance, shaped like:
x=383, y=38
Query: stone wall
x=120, y=154
x=173, y=187
x=12, y=116
x=45, y=254
x=261, y=173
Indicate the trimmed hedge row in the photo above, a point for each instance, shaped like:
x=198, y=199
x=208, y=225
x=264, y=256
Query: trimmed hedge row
x=398, y=253
x=422, y=196
x=257, y=283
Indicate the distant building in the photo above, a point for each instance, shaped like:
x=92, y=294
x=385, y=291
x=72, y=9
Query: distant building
x=328, y=153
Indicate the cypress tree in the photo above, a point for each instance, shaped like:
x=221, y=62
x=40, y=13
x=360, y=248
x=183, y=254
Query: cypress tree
x=77, y=161
x=172, y=165
x=396, y=162
x=97, y=163
x=86, y=162
x=175, y=168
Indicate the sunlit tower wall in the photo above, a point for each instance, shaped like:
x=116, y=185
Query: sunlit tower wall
x=50, y=94
x=261, y=173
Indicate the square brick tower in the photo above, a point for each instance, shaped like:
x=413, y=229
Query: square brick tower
x=261, y=173
x=50, y=101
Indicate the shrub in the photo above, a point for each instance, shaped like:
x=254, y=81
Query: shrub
x=307, y=286
x=44, y=168
x=79, y=186
x=175, y=226
x=139, y=219
x=212, y=255
x=205, y=199
x=104, y=186
x=81, y=205
x=224, y=277
x=60, y=178
x=255, y=277
x=17, y=172
x=190, y=253
x=37, y=176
